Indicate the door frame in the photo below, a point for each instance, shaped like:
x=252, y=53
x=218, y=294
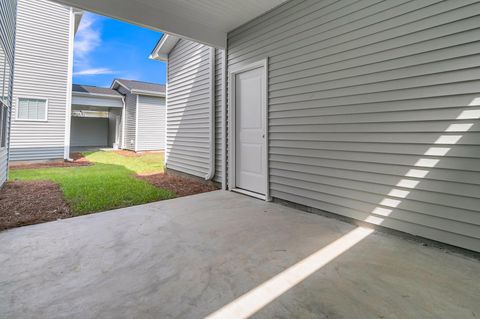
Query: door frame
x=232, y=128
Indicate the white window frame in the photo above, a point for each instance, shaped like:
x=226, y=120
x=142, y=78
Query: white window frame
x=17, y=106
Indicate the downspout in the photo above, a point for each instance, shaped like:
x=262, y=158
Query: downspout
x=68, y=111
x=211, y=171
x=224, y=119
x=122, y=144
x=136, y=124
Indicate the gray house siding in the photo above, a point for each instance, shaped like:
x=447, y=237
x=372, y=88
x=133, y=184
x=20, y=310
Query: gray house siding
x=3, y=165
x=130, y=119
x=89, y=131
x=219, y=74
x=7, y=48
x=42, y=70
x=373, y=110
x=151, y=123
x=188, y=105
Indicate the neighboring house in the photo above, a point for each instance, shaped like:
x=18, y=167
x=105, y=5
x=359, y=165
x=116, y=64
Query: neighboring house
x=144, y=116
x=191, y=102
x=129, y=115
x=7, y=48
x=96, y=117
x=40, y=123
x=366, y=111
x=48, y=118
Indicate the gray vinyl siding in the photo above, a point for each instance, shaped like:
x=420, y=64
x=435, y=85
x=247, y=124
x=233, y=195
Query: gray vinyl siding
x=41, y=65
x=369, y=98
x=130, y=119
x=188, y=105
x=89, y=131
x=151, y=123
x=7, y=47
x=3, y=165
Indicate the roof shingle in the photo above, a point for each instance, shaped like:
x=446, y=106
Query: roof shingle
x=142, y=86
x=94, y=90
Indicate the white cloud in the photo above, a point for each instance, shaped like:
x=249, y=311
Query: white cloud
x=94, y=71
x=87, y=39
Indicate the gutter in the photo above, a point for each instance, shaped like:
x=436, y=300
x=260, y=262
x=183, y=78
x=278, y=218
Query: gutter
x=149, y=93
x=211, y=171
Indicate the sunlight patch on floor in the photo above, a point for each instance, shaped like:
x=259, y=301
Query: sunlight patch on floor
x=259, y=297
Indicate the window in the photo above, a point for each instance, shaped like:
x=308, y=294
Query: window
x=32, y=109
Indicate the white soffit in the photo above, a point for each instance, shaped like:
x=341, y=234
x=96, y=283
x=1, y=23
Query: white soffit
x=204, y=21
x=163, y=47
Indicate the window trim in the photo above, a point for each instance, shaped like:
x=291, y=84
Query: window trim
x=30, y=98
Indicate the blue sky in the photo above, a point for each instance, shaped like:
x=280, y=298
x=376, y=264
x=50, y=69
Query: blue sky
x=106, y=49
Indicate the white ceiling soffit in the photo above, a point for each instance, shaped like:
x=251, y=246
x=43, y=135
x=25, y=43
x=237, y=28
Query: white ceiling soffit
x=204, y=21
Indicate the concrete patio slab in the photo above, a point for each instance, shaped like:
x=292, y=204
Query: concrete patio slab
x=195, y=256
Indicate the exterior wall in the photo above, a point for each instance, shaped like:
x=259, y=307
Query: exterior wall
x=151, y=123
x=188, y=105
x=218, y=116
x=130, y=119
x=112, y=121
x=89, y=131
x=7, y=45
x=42, y=70
x=373, y=110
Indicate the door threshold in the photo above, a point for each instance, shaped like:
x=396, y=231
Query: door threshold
x=249, y=193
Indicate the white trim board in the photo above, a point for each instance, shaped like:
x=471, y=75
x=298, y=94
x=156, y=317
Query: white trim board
x=231, y=111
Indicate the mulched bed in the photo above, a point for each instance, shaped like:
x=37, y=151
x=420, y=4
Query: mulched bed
x=31, y=202
x=78, y=160
x=182, y=186
x=133, y=154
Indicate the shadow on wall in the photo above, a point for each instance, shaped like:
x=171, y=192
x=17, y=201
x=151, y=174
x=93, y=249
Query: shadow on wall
x=450, y=157
x=188, y=107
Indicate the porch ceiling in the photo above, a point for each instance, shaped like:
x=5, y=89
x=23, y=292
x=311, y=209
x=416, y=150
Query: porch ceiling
x=205, y=21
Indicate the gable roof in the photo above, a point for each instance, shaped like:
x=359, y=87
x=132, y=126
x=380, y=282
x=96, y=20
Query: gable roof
x=138, y=87
x=94, y=90
x=166, y=43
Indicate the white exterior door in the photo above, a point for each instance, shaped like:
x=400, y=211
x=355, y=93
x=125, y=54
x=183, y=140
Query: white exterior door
x=250, y=146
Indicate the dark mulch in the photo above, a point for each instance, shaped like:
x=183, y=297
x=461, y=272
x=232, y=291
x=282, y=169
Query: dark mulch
x=78, y=160
x=31, y=202
x=182, y=186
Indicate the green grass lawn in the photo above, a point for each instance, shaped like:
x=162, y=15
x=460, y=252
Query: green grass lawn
x=108, y=184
